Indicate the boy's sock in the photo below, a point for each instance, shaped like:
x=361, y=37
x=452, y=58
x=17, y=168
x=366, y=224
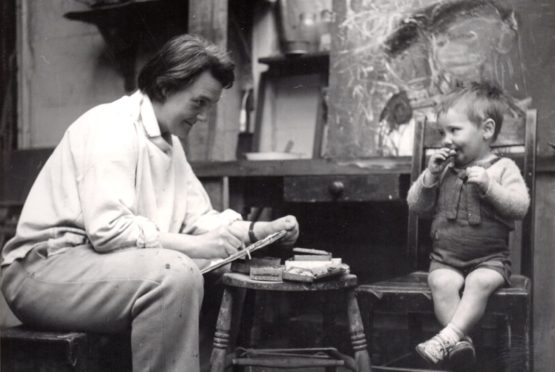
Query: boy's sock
x=451, y=333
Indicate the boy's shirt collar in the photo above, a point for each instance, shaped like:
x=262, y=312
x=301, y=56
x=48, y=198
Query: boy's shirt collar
x=484, y=163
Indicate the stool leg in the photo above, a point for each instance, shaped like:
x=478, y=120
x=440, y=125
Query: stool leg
x=358, y=338
x=366, y=304
x=255, y=333
x=222, y=334
x=239, y=295
x=329, y=318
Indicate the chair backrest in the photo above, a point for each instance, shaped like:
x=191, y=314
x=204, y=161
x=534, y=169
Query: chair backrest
x=516, y=140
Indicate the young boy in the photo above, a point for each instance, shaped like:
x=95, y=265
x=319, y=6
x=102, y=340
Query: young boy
x=474, y=197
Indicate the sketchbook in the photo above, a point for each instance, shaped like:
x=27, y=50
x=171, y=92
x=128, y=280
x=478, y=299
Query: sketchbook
x=272, y=238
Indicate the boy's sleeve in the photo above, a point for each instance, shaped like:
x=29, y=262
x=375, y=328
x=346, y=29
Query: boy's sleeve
x=422, y=197
x=508, y=194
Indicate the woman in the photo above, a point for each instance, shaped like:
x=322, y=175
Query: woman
x=115, y=227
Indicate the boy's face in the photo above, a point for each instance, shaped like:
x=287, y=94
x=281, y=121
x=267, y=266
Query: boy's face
x=460, y=134
x=184, y=108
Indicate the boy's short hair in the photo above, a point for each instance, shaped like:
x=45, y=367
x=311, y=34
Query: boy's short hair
x=484, y=100
x=179, y=62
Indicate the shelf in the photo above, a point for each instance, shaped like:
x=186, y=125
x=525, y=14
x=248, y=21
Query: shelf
x=111, y=13
x=298, y=167
x=301, y=64
x=319, y=57
x=312, y=180
x=135, y=13
x=124, y=25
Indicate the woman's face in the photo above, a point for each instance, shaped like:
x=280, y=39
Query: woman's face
x=184, y=108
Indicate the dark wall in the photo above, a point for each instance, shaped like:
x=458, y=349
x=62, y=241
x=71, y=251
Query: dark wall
x=537, y=47
x=8, y=90
x=369, y=237
x=536, y=20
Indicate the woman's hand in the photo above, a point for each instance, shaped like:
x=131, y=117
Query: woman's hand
x=218, y=243
x=287, y=223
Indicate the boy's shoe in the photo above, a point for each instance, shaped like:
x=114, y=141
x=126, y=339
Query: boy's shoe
x=435, y=349
x=463, y=353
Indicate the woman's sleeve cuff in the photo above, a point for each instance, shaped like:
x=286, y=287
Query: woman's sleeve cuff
x=149, y=234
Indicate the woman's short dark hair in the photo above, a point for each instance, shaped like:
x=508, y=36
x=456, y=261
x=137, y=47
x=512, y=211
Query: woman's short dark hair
x=179, y=62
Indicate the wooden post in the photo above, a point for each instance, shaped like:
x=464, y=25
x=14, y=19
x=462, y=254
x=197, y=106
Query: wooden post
x=24, y=72
x=209, y=19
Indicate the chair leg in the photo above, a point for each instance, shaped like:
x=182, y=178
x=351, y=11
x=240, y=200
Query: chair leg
x=218, y=362
x=358, y=338
x=519, y=341
x=414, y=329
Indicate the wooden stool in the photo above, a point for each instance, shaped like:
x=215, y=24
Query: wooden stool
x=233, y=297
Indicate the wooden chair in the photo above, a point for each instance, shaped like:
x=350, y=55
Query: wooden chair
x=29, y=350
x=410, y=295
x=235, y=285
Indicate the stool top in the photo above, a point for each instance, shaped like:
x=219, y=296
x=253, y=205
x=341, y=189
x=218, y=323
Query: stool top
x=244, y=281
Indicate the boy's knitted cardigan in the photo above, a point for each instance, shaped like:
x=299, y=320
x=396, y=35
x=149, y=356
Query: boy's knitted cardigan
x=506, y=193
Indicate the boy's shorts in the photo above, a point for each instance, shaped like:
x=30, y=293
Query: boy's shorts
x=495, y=264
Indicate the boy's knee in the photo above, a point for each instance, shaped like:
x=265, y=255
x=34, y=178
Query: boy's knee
x=445, y=281
x=485, y=281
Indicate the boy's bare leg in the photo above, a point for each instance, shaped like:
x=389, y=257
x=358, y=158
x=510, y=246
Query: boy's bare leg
x=445, y=285
x=478, y=287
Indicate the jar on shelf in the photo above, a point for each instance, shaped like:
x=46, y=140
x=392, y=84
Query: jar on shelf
x=301, y=25
x=308, y=29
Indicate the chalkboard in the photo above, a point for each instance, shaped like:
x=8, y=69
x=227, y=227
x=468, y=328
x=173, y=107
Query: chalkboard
x=392, y=58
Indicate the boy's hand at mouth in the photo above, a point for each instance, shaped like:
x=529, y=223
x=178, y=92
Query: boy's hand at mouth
x=439, y=160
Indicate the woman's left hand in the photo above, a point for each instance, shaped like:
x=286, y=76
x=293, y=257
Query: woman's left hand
x=290, y=225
